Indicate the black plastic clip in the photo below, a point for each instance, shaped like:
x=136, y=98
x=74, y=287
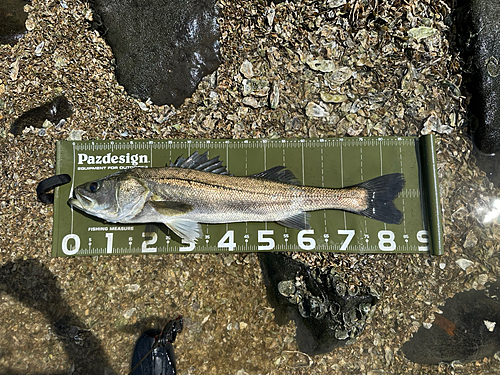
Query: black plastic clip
x=49, y=184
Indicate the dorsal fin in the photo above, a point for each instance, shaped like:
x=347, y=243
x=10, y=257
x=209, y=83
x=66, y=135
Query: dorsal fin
x=201, y=163
x=279, y=174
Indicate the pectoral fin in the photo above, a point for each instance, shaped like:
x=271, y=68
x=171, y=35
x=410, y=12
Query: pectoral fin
x=298, y=221
x=170, y=208
x=186, y=229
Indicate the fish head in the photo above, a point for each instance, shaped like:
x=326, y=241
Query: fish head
x=115, y=198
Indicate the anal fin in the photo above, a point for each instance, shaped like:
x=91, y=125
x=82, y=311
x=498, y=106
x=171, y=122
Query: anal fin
x=297, y=221
x=187, y=230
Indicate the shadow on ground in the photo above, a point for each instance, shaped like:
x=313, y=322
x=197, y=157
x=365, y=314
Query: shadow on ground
x=466, y=331
x=33, y=284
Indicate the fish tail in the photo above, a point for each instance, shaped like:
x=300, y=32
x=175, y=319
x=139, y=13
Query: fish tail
x=382, y=191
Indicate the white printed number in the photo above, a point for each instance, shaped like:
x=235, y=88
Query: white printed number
x=423, y=238
x=190, y=246
x=76, y=244
x=269, y=241
x=227, y=241
x=306, y=243
x=386, y=240
x=350, y=234
x=109, y=243
x=151, y=241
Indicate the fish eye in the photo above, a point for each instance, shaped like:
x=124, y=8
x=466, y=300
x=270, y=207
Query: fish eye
x=94, y=186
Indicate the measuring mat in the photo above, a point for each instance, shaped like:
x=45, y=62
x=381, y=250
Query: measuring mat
x=333, y=163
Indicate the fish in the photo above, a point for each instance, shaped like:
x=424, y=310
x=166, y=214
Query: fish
x=197, y=190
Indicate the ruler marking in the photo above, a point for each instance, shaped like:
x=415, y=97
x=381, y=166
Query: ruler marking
x=323, y=185
x=362, y=179
x=302, y=162
x=361, y=161
x=342, y=177
x=72, y=186
x=381, y=161
x=265, y=156
x=264, y=145
x=402, y=198
x=284, y=164
x=381, y=168
x=341, y=165
x=151, y=154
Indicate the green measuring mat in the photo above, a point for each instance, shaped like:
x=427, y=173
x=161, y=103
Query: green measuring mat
x=330, y=162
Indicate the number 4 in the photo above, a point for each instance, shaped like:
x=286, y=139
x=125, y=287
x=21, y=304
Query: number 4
x=227, y=241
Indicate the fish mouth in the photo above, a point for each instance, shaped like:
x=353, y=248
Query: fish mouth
x=79, y=201
x=74, y=203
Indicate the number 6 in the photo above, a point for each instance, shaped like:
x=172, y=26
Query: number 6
x=306, y=243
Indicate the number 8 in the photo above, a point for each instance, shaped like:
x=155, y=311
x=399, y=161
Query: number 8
x=386, y=240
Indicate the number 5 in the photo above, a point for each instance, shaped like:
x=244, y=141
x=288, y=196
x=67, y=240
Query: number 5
x=270, y=241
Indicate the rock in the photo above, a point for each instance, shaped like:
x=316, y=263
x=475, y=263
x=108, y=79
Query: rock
x=75, y=135
x=332, y=98
x=479, y=36
x=251, y=102
x=464, y=263
x=340, y=75
x=12, y=21
x=162, y=48
x=327, y=311
x=132, y=288
x=335, y=3
x=434, y=124
x=128, y=314
x=471, y=240
x=322, y=65
x=247, y=69
x=255, y=86
x=270, y=16
x=465, y=332
x=274, y=96
x=315, y=110
x=54, y=111
x=421, y=32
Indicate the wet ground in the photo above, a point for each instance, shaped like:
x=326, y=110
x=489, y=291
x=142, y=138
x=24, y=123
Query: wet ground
x=393, y=73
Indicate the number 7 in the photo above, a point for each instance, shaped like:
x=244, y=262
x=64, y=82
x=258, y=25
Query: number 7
x=350, y=234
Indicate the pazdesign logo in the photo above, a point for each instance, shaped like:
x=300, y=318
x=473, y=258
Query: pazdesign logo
x=109, y=158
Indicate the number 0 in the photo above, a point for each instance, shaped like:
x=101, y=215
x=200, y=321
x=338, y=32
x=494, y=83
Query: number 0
x=75, y=248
